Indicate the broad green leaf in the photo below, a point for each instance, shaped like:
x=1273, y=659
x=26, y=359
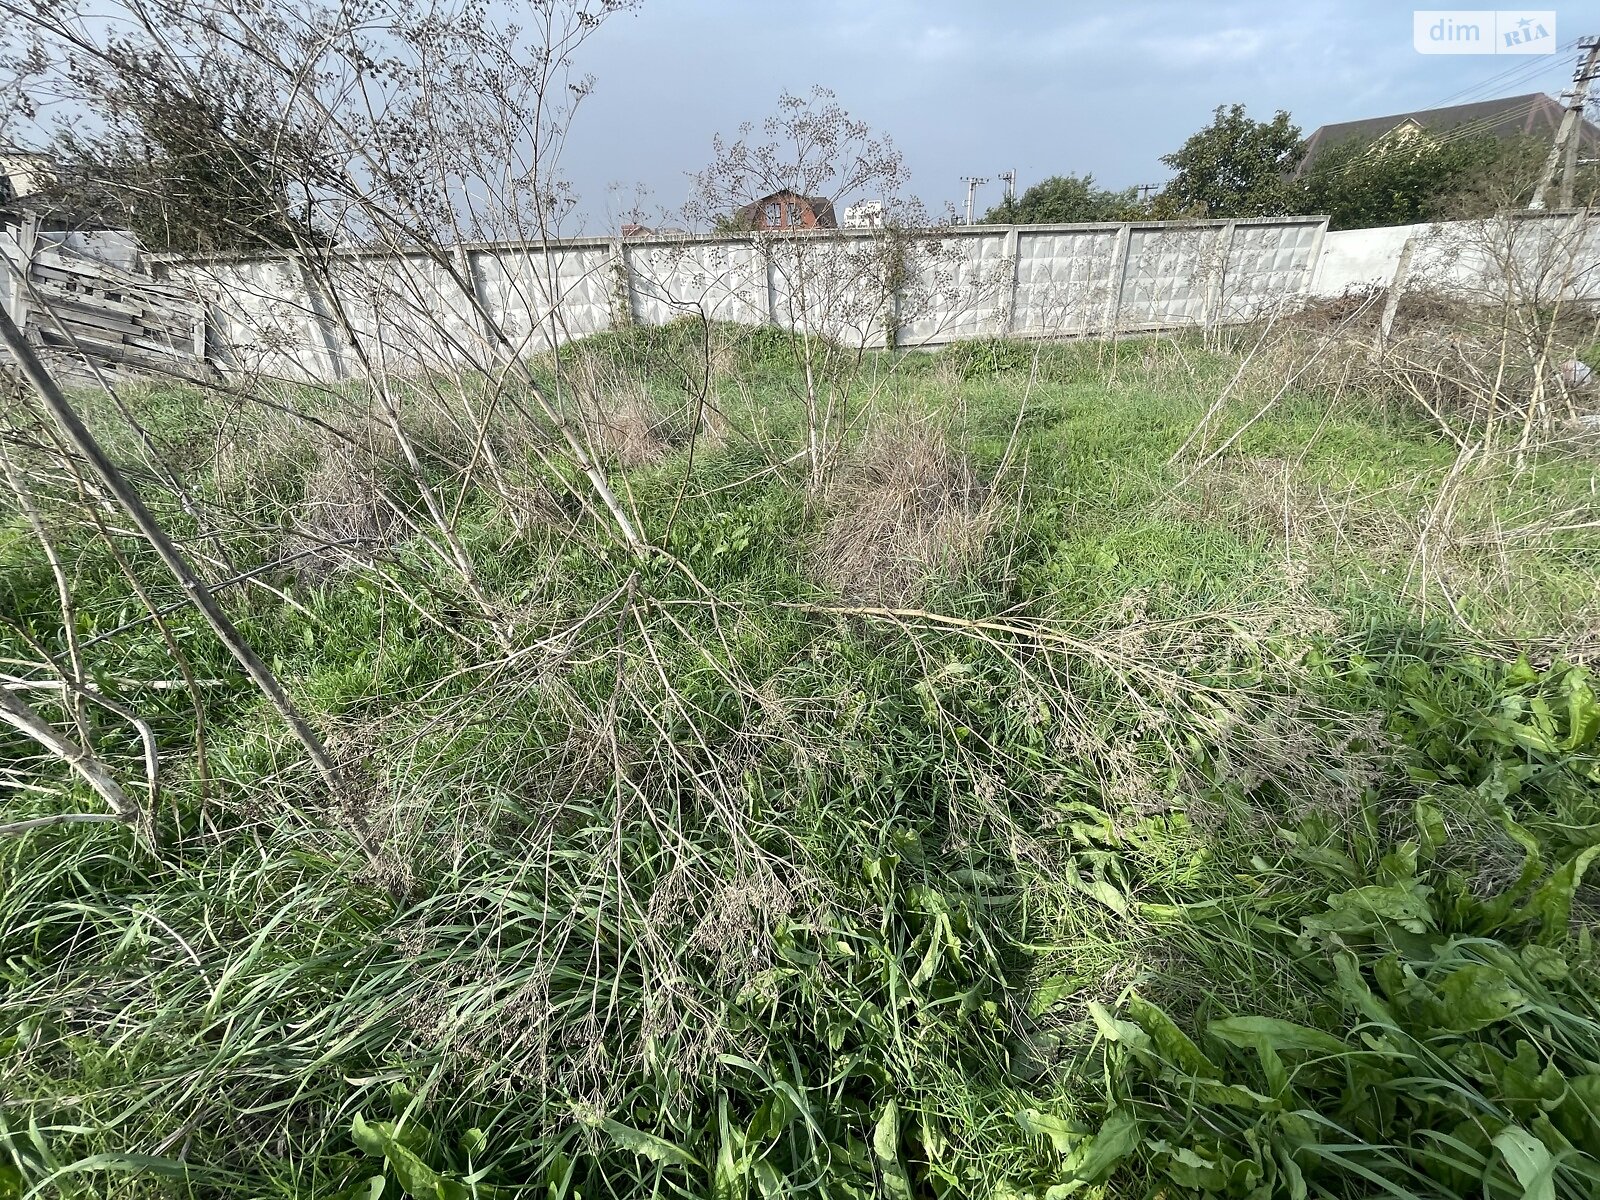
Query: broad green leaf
x=415, y=1177
x=772, y=1118
x=368, y=1189
x=647, y=1145
x=1496, y=910
x=768, y=1180
x=727, y=1180
x=1551, y=904
x=1531, y=737
x=1292, y=1175
x=1521, y=673
x=1431, y=831
x=1250, y=1032
x=1583, y=711
x=886, y=1150
x=1064, y=1135
x=1353, y=989
x=1524, y=1077
x=373, y=1139
x=1173, y=1044
x=1374, y=906
x=1088, y=1157
x=1399, y=865
x=557, y=1177
x=1578, y=1114
x=1114, y=1029
x=1232, y=1095
x=383, y=1134
x=1530, y=1161
x=1190, y=1170
x=1118, y=1136
x=1545, y=963
x=1106, y=893
x=1475, y=997
x=1050, y=992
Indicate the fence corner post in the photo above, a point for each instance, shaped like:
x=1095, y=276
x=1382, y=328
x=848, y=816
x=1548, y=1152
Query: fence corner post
x=1391, y=302
x=1116, y=278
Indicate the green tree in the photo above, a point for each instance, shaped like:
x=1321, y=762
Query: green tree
x=1235, y=167
x=1506, y=179
x=1062, y=199
x=1364, y=183
x=189, y=169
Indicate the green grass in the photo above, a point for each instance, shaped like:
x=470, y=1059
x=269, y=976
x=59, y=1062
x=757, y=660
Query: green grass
x=1228, y=855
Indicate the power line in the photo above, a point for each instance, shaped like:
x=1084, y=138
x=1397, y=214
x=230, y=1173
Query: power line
x=1482, y=124
x=1503, y=79
x=1474, y=128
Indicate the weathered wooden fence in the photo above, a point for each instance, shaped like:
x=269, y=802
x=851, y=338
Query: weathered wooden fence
x=88, y=314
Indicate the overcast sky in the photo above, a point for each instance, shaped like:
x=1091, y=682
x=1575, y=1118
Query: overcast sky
x=976, y=88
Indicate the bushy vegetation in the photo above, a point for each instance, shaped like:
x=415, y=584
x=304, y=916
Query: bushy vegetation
x=1238, y=166
x=1031, y=811
x=1063, y=199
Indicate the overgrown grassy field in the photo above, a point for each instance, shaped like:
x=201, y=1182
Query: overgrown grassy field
x=1078, y=795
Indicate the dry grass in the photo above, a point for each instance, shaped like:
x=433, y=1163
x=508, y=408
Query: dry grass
x=345, y=514
x=616, y=415
x=906, y=510
x=1266, y=499
x=1453, y=541
x=1493, y=373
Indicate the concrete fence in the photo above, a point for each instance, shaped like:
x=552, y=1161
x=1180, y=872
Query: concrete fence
x=1538, y=256
x=403, y=311
x=368, y=310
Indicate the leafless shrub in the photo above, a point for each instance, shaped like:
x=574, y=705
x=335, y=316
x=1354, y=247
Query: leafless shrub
x=905, y=511
x=835, y=295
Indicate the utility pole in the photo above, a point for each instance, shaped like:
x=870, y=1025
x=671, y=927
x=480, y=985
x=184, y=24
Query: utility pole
x=1145, y=189
x=1009, y=178
x=973, y=183
x=1565, y=147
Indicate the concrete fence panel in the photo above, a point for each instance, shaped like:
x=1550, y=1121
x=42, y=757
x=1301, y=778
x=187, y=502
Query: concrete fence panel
x=542, y=296
x=1067, y=280
x=724, y=280
x=1267, y=265
x=962, y=286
